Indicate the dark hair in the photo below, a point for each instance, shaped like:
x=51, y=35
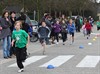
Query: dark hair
x=4, y=13
x=12, y=12
x=22, y=17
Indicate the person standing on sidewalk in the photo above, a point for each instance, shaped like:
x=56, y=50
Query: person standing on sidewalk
x=21, y=39
x=13, y=20
x=98, y=25
x=5, y=34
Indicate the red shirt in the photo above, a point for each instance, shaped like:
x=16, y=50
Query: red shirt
x=88, y=26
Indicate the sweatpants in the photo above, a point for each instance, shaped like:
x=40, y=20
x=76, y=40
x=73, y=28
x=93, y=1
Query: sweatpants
x=64, y=36
x=57, y=36
x=20, y=56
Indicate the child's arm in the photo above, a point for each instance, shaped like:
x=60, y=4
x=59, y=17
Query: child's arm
x=12, y=43
x=28, y=40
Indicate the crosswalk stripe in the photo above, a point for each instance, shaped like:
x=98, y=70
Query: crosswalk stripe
x=29, y=60
x=95, y=33
x=89, y=61
x=56, y=62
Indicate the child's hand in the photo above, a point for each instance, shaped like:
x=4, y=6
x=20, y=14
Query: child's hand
x=26, y=45
x=12, y=43
x=0, y=28
x=7, y=19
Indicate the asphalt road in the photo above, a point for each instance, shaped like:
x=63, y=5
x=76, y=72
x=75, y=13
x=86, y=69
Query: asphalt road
x=66, y=59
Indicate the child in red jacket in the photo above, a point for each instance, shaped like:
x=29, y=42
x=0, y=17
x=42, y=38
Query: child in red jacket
x=88, y=28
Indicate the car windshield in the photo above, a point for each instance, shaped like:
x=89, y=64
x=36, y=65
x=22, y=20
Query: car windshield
x=34, y=22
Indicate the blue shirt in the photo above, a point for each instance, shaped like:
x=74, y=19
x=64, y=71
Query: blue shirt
x=71, y=28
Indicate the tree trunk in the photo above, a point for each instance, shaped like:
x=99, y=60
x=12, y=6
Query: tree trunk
x=70, y=13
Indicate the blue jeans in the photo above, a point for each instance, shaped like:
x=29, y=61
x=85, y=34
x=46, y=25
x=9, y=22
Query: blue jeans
x=6, y=46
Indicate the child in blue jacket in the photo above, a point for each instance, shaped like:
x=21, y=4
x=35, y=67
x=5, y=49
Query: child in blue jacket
x=71, y=30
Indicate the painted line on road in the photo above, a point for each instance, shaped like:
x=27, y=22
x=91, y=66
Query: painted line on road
x=89, y=61
x=95, y=33
x=29, y=61
x=56, y=62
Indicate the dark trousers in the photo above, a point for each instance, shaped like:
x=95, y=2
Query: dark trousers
x=78, y=28
x=57, y=36
x=64, y=36
x=47, y=40
x=88, y=32
x=20, y=56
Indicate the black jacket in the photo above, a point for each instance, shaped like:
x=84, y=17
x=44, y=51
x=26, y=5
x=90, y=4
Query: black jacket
x=5, y=28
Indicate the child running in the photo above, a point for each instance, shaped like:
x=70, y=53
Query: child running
x=43, y=33
x=21, y=39
x=57, y=30
x=71, y=30
x=88, y=28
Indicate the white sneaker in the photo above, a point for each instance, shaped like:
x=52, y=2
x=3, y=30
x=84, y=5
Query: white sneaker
x=57, y=43
x=21, y=70
x=63, y=43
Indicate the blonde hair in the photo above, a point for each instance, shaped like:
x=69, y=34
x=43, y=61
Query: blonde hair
x=18, y=22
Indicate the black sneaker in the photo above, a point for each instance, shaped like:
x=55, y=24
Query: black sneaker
x=5, y=57
x=87, y=37
x=9, y=57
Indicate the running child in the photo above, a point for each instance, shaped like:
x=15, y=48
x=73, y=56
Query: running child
x=21, y=39
x=71, y=30
x=88, y=29
x=43, y=33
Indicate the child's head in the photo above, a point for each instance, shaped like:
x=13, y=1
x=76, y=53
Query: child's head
x=57, y=21
x=43, y=24
x=70, y=21
x=18, y=25
x=63, y=21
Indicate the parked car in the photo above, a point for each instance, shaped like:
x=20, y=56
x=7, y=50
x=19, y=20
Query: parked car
x=34, y=26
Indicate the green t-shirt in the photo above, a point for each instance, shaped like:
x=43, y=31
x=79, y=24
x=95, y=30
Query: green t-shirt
x=98, y=24
x=21, y=38
x=81, y=21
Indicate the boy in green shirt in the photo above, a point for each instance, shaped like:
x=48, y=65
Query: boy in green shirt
x=98, y=25
x=21, y=39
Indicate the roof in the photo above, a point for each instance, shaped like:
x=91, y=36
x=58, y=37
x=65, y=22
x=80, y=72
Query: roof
x=13, y=8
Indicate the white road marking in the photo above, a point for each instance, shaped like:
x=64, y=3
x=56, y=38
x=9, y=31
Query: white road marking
x=95, y=33
x=29, y=60
x=89, y=61
x=56, y=62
